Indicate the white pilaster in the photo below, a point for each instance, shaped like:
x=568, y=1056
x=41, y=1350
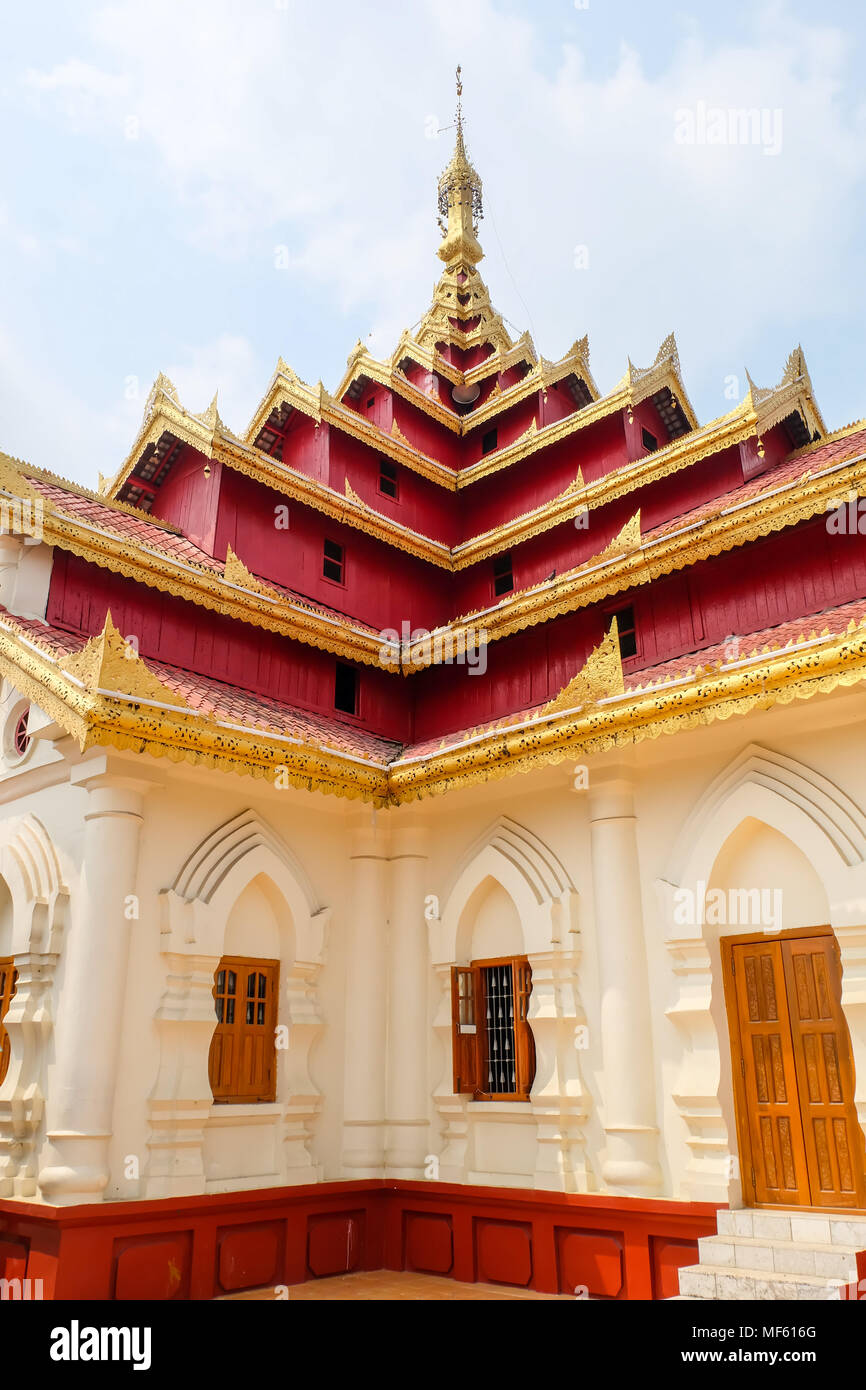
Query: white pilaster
x=408, y=1125
x=630, y=1163
x=366, y=1004
x=89, y=1029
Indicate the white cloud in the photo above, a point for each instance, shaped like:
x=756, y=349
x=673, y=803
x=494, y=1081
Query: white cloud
x=305, y=126
x=228, y=364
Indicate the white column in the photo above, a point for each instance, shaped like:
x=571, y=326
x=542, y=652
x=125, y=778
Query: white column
x=10, y=554
x=408, y=1031
x=81, y=1100
x=626, y=1038
x=366, y=1003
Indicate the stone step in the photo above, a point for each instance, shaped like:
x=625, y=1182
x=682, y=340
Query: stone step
x=826, y=1228
x=711, y=1281
x=825, y=1260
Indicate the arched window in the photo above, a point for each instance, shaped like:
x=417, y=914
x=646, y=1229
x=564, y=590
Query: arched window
x=8, y=978
x=243, y=1058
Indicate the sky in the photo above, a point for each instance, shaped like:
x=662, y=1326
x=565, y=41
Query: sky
x=201, y=186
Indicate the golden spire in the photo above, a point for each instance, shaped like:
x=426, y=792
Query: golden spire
x=460, y=207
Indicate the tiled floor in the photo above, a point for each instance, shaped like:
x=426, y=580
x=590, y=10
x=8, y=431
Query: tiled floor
x=387, y=1285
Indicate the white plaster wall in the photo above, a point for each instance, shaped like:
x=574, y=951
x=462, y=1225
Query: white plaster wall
x=670, y=776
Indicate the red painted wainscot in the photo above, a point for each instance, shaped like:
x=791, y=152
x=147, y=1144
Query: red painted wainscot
x=201, y=1247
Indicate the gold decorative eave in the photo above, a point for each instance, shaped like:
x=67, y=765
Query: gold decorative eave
x=757, y=413
x=388, y=374
x=349, y=511
x=626, y=562
x=163, y=414
x=664, y=371
x=523, y=350
x=817, y=664
x=235, y=594
x=540, y=377
x=105, y=695
x=630, y=560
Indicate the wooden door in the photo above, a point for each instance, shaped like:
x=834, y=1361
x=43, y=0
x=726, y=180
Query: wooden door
x=825, y=1071
x=800, y=1141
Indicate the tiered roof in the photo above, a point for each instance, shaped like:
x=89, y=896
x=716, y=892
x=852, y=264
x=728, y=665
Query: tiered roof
x=451, y=370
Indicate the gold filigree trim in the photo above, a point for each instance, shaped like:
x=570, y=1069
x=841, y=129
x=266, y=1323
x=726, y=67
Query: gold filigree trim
x=599, y=677
x=103, y=696
x=627, y=539
x=109, y=663
x=236, y=573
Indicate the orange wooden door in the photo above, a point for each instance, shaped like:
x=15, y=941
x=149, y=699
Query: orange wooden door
x=777, y=1159
x=825, y=1071
x=798, y=1126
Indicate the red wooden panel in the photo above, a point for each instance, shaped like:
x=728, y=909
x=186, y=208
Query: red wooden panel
x=668, y=1256
x=428, y=1243
x=503, y=1252
x=13, y=1259
x=249, y=1256
x=155, y=1268
x=591, y=1260
x=335, y=1243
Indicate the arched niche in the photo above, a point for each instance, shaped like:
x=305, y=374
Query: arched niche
x=240, y=892
x=767, y=823
x=260, y=922
x=7, y=923
x=34, y=909
x=490, y=923
x=512, y=896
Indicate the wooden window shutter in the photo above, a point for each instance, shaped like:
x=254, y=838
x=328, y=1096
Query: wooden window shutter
x=8, y=978
x=243, y=1059
x=523, y=1040
x=466, y=1029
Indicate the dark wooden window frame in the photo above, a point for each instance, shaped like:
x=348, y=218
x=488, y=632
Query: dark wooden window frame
x=645, y=435
x=503, y=569
x=354, y=712
x=236, y=1033
x=489, y=441
x=388, y=474
x=617, y=611
x=8, y=983
x=332, y=559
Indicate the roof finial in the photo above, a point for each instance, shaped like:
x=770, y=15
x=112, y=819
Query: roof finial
x=460, y=207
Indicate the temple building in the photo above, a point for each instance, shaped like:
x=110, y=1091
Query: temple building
x=434, y=833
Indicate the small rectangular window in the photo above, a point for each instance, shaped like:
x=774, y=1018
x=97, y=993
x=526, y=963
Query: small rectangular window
x=488, y=442
x=243, y=1059
x=627, y=631
x=371, y=401
x=346, y=689
x=503, y=577
x=333, y=562
x=649, y=440
x=388, y=478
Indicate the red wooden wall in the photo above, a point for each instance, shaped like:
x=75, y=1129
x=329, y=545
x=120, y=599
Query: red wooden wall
x=202, y=1247
x=182, y=634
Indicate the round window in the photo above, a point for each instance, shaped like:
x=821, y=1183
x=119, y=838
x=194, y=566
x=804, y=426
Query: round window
x=17, y=739
x=20, y=736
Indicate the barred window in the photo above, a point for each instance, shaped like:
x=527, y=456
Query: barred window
x=493, y=1046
